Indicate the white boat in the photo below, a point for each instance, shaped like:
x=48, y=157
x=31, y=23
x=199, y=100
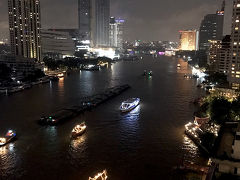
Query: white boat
x=130, y=104
x=78, y=130
x=10, y=135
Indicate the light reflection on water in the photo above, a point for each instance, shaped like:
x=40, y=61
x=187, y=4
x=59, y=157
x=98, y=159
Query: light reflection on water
x=191, y=150
x=77, y=151
x=8, y=159
x=132, y=117
x=129, y=126
x=78, y=142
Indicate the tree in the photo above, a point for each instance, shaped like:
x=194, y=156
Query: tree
x=220, y=110
x=236, y=109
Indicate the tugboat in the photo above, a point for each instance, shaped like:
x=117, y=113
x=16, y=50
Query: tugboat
x=78, y=130
x=10, y=136
x=129, y=104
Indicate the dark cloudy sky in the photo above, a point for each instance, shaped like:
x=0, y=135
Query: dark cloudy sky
x=146, y=19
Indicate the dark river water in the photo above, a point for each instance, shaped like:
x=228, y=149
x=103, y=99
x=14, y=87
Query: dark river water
x=144, y=144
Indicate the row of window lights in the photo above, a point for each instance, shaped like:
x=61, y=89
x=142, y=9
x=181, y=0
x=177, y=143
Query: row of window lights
x=233, y=72
x=235, y=43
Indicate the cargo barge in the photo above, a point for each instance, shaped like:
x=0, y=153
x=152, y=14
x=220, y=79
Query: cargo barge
x=85, y=104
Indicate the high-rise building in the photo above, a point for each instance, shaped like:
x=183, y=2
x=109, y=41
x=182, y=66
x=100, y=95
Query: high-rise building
x=84, y=22
x=24, y=26
x=214, y=54
x=219, y=55
x=116, y=32
x=211, y=28
x=224, y=60
x=100, y=19
x=188, y=40
x=234, y=69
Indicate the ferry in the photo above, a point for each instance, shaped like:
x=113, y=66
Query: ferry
x=129, y=104
x=79, y=130
x=10, y=136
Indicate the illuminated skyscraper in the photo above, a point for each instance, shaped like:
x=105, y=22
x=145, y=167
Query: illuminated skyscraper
x=211, y=28
x=188, y=40
x=116, y=32
x=234, y=71
x=84, y=22
x=24, y=26
x=100, y=19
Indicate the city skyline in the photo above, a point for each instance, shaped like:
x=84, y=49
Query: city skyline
x=162, y=21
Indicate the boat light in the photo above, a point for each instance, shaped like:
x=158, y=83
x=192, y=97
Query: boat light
x=102, y=175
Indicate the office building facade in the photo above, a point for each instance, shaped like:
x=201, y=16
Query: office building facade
x=57, y=44
x=24, y=26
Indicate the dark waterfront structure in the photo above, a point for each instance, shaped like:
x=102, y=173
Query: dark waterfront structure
x=84, y=22
x=24, y=26
x=211, y=28
x=100, y=20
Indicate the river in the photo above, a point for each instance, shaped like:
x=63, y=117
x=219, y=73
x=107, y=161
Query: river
x=144, y=144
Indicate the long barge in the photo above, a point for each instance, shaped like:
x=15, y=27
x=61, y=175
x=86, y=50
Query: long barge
x=86, y=103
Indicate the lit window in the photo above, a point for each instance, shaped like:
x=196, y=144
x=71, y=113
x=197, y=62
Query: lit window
x=237, y=20
x=238, y=5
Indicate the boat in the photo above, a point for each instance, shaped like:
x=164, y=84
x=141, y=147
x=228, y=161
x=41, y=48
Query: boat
x=150, y=73
x=100, y=176
x=129, y=104
x=60, y=75
x=10, y=136
x=78, y=130
x=57, y=117
x=90, y=67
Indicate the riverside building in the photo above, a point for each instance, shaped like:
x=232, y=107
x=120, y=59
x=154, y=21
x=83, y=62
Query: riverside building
x=24, y=27
x=234, y=69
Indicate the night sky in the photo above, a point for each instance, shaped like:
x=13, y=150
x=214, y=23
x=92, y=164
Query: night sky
x=146, y=19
